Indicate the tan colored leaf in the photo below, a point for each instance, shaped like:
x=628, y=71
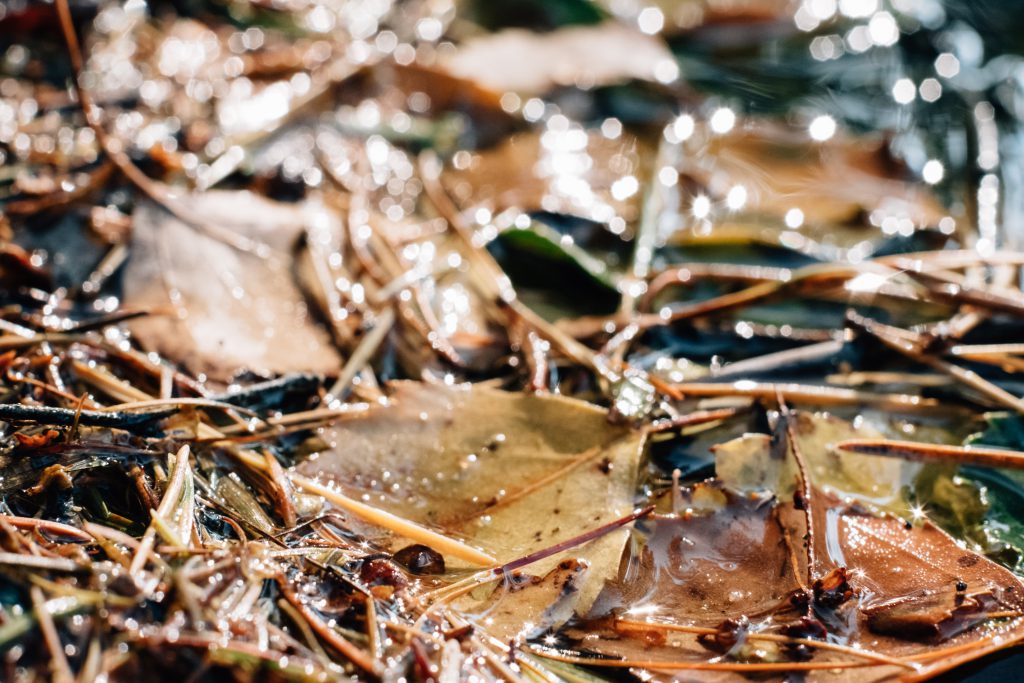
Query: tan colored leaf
x=510, y=473
x=531, y=63
x=748, y=464
x=829, y=181
x=572, y=172
x=223, y=297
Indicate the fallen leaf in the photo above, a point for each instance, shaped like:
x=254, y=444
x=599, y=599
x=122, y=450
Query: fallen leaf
x=510, y=473
x=587, y=56
x=222, y=296
x=844, y=187
x=741, y=559
x=741, y=15
x=572, y=172
x=748, y=464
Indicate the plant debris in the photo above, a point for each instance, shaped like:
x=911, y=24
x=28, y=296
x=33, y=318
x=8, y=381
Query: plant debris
x=523, y=341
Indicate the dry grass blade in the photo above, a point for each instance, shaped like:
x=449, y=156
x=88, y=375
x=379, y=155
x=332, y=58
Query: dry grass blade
x=170, y=500
x=773, y=637
x=400, y=526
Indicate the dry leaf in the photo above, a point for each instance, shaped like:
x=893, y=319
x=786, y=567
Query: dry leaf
x=586, y=56
x=222, y=296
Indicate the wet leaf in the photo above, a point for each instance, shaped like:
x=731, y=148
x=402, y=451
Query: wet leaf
x=572, y=172
x=222, y=298
x=538, y=241
x=738, y=557
x=389, y=86
x=960, y=505
x=749, y=464
x=510, y=473
x=1002, y=430
x=835, y=185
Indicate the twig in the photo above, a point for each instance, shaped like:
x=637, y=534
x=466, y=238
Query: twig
x=364, y=351
x=55, y=564
x=804, y=393
x=58, y=661
x=330, y=636
x=774, y=637
x=926, y=452
x=574, y=541
x=46, y=525
x=262, y=395
x=670, y=665
x=65, y=417
x=785, y=439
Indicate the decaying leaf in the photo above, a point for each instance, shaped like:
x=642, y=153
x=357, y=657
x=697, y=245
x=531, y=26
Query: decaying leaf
x=222, y=296
x=526, y=606
x=511, y=473
x=831, y=183
x=739, y=558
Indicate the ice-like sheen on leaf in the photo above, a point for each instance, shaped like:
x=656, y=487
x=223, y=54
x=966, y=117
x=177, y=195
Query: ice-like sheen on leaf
x=742, y=559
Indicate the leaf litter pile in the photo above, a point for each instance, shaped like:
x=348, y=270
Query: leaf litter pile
x=543, y=341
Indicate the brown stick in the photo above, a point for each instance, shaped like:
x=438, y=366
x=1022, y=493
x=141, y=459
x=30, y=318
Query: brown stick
x=927, y=452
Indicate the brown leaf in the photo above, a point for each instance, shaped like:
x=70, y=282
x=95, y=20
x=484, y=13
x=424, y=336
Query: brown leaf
x=511, y=473
x=571, y=172
x=846, y=190
x=745, y=561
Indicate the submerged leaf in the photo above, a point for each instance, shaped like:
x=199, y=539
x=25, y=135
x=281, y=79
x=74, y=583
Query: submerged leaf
x=222, y=297
x=910, y=490
x=748, y=463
